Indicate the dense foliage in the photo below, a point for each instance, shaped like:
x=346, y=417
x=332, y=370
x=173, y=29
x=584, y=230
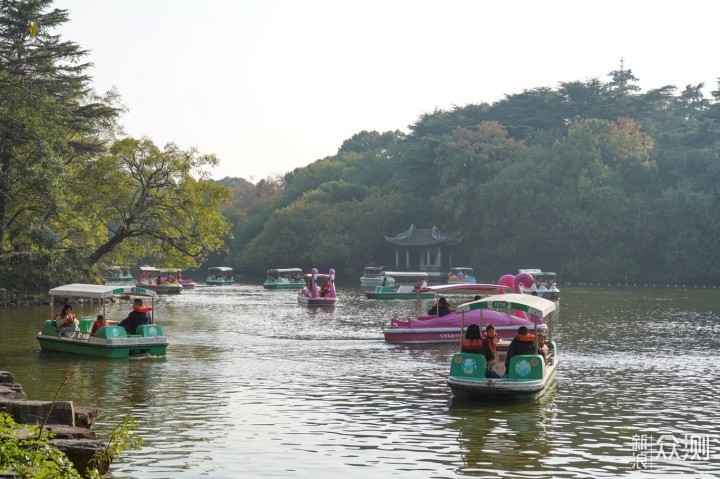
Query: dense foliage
x=70, y=190
x=598, y=181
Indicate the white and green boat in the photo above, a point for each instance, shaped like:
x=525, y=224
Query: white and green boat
x=527, y=376
x=395, y=286
x=284, y=278
x=220, y=275
x=109, y=342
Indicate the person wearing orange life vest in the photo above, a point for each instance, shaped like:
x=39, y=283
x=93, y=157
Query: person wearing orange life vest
x=100, y=322
x=522, y=343
x=488, y=348
x=139, y=316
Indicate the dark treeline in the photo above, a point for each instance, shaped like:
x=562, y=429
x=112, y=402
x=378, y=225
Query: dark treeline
x=596, y=180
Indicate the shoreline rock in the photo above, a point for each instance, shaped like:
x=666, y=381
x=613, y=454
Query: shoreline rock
x=72, y=425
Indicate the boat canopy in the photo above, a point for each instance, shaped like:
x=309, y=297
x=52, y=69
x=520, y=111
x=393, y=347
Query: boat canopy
x=373, y=269
x=478, y=288
x=99, y=291
x=536, y=272
x=285, y=270
x=523, y=302
x=464, y=269
x=220, y=269
x=405, y=274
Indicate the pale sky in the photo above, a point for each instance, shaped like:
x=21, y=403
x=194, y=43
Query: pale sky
x=272, y=85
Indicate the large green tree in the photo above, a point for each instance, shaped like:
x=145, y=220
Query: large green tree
x=142, y=201
x=48, y=119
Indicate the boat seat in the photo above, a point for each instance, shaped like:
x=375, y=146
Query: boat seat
x=50, y=328
x=111, y=332
x=526, y=366
x=468, y=365
x=406, y=289
x=86, y=325
x=149, y=330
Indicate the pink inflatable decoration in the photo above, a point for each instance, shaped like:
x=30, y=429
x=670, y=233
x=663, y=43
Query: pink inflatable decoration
x=507, y=280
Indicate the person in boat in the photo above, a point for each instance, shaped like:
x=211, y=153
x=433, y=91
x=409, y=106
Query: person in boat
x=138, y=316
x=535, y=286
x=66, y=321
x=100, y=322
x=325, y=288
x=522, y=343
x=440, y=309
x=488, y=348
x=543, y=347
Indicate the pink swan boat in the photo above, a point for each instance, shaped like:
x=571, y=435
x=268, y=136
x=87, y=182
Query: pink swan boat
x=313, y=295
x=446, y=329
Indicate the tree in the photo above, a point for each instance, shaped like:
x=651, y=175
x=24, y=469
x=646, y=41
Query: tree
x=151, y=205
x=47, y=115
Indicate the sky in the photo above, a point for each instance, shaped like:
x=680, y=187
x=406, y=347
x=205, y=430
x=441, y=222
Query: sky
x=272, y=85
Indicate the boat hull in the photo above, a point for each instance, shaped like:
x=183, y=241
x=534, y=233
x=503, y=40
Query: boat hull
x=187, y=283
x=162, y=288
x=396, y=295
x=446, y=329
x=219, y=282
x=110, y=342
x=283, y=285
x=119, y=279
x=316, y=301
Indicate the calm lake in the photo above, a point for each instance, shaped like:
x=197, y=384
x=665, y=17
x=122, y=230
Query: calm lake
x=256, y=386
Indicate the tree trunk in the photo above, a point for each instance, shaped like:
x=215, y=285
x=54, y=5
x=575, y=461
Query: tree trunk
x=104, y=249
x=5, y=156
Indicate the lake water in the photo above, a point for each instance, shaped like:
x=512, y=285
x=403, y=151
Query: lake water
x=256, y=386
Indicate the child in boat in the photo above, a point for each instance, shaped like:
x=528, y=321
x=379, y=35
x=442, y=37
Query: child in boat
x=488, y=348
x=100, y=322
x=542, y=345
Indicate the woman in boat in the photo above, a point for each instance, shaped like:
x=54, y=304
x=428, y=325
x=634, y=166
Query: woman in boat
x=100, y=322
x=66, y=321
x=139, y=316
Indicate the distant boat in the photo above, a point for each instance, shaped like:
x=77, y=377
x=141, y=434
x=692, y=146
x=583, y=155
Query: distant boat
x=373, y=277
x=545, y=286
x=118, y=274
x=427, y=328
x=220, y=275
x=284, y=278
x=461, y=274
x=151, y=278
x=313, y=294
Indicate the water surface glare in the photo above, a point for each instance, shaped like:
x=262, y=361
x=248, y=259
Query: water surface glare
x=255, y=385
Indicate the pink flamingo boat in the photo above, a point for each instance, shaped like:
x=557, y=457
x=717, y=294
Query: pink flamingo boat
x=447, y=329
x=313, y=295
